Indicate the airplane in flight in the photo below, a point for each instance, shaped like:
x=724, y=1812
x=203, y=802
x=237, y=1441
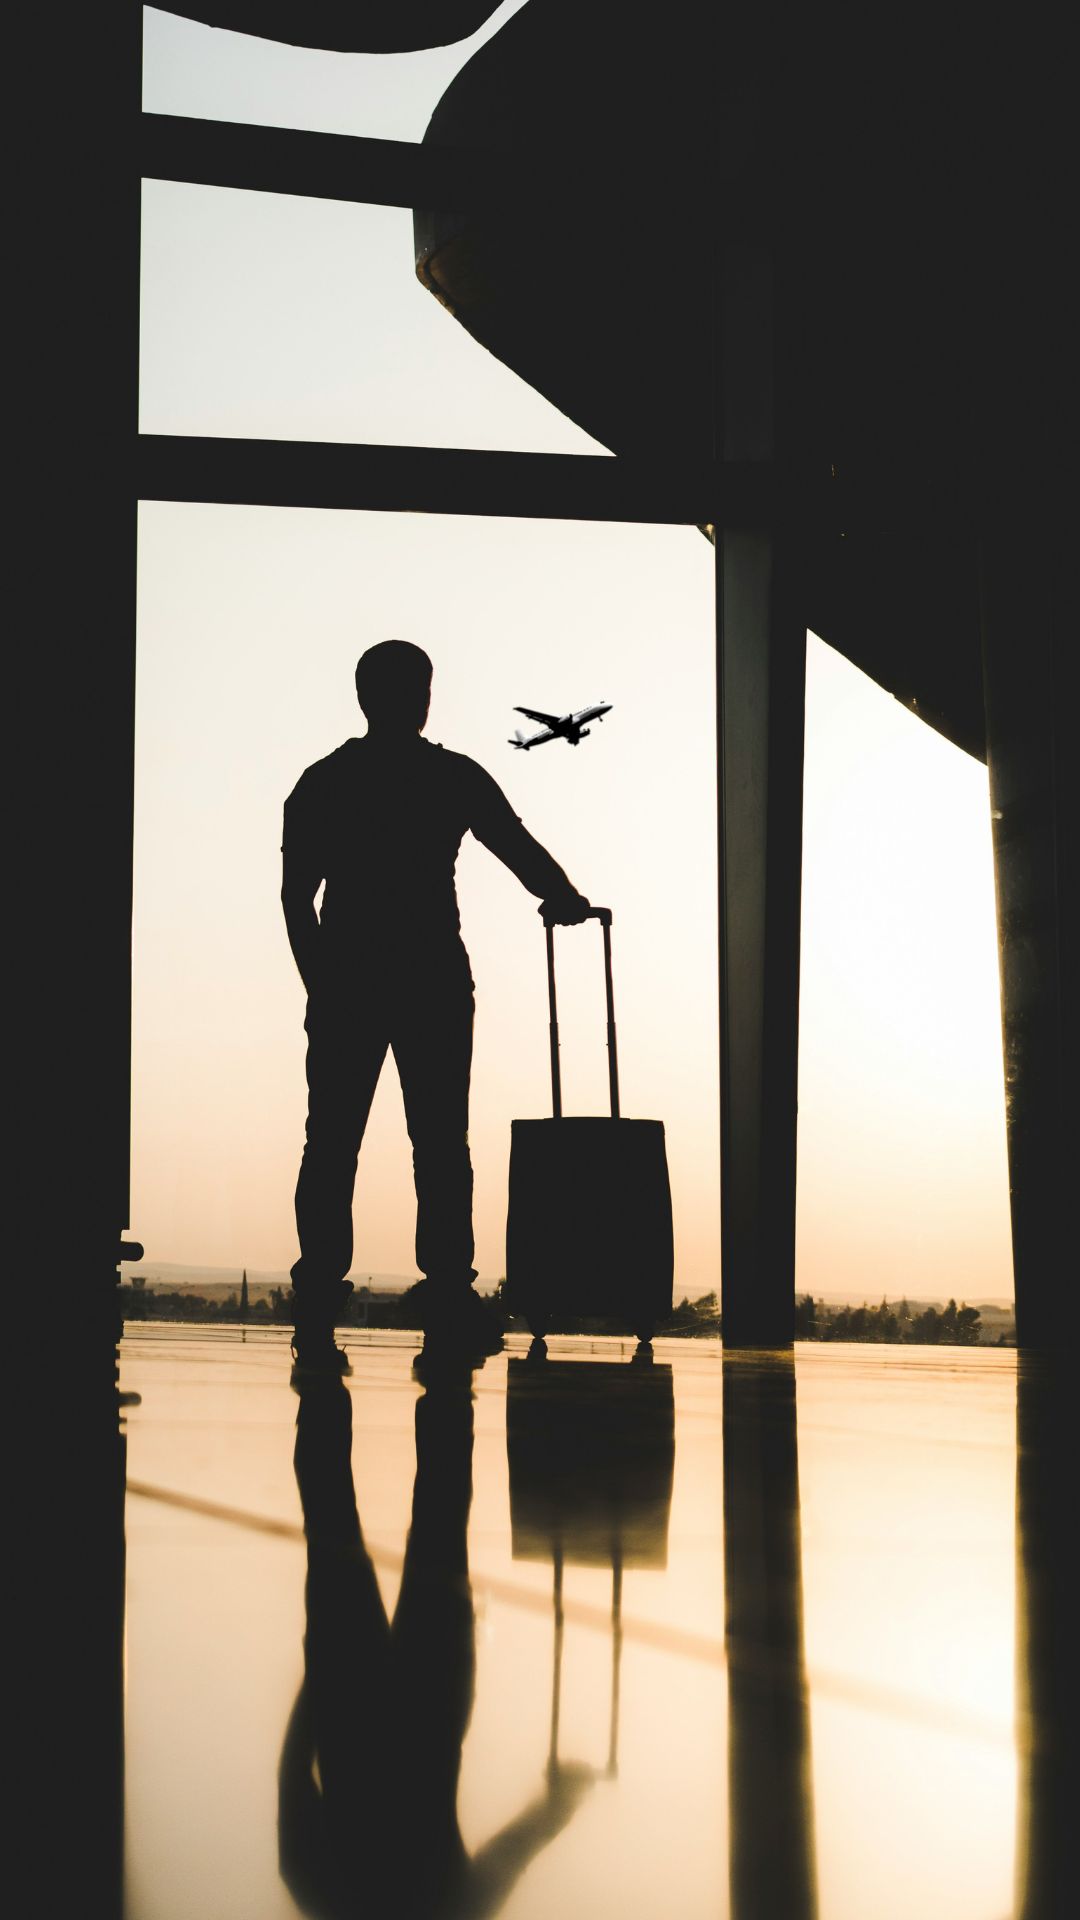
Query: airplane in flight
x=572, y=727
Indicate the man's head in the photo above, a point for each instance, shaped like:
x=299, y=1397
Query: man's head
x=393, y=686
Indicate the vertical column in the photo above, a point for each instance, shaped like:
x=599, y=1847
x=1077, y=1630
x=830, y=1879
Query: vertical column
x=1034, y=859
x=761, y=639
x=74, y=640
x=80, y=641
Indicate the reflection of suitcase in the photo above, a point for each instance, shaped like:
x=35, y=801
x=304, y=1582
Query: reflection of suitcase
x=591, y=1452
x=588, y=1230
x=590, y=1449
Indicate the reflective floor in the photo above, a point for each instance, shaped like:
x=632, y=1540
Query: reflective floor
x=586, y=1637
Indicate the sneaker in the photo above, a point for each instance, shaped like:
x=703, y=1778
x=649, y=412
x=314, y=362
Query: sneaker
x=318, y=1356
x=315, y=1351
x=439, y=1364
x=459, y=1321
x=316, y=1313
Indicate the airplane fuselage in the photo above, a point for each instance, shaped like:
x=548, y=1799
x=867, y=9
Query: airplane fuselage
x=571, y=727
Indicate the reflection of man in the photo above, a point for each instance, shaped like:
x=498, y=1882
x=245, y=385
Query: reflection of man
x=367, y=1786
x=380, y=821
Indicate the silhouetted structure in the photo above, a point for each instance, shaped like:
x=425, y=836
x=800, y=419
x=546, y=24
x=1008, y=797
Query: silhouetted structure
x=787, y=264
x=821, y=326
x=847, y=221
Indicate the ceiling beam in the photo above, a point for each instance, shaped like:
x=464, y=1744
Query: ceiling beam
x=546, y=486
x=324, y=166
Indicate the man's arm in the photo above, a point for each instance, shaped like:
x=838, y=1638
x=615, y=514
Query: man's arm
x=301, y=878
x=497, y=827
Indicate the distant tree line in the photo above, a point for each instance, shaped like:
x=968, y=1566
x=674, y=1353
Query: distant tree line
x=694, y=1317
x=367, y=1307
x=896, y=1325
x=364, y=1308
x=140, y=1302
x=689, y=1319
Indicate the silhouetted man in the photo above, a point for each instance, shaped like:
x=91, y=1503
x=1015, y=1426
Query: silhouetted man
x=380, y=821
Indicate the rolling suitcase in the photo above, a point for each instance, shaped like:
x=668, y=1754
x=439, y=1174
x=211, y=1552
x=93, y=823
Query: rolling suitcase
x=588, y=1230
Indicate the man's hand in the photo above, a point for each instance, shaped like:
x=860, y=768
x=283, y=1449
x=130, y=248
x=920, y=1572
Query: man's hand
x=564, y=909
x=304, y=931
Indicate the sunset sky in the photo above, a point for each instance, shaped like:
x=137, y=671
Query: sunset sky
x=275, y=317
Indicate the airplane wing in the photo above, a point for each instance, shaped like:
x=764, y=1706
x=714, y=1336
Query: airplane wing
x=545, y=719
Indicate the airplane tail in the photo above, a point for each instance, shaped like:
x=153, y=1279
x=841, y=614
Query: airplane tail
x=519, y=739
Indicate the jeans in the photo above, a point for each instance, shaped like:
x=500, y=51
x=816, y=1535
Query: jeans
x=425, y=1018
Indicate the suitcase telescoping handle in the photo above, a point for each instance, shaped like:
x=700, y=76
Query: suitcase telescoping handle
x=611, y=1771
x=603, y=914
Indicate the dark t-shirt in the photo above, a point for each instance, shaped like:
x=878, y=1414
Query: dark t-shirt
x=382, y=825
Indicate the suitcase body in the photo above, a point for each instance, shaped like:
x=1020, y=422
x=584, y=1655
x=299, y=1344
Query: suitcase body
x=589, y=1228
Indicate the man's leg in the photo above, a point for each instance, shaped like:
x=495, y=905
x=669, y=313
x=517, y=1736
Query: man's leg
x=434, y=1635
x=431, y=1036
x=346, y=1049
x=338, y=1788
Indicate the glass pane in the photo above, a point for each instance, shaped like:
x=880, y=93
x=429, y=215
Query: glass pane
x=266, y=316
x=196, y=70
x=250, y=624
